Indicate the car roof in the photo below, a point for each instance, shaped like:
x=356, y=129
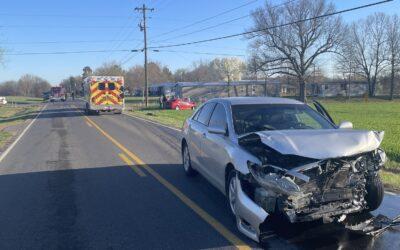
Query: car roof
x=256, y=100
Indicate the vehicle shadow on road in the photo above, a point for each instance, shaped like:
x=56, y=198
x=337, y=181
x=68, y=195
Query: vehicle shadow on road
x=317, y=235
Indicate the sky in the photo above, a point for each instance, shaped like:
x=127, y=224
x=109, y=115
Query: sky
x=31, y=26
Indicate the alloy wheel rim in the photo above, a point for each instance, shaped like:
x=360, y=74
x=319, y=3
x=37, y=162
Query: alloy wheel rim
x=232, y=198
x=186, y=159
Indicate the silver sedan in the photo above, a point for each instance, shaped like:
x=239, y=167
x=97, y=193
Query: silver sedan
x=275, y=155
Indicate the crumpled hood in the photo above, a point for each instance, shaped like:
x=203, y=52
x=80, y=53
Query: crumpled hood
x=322, y=143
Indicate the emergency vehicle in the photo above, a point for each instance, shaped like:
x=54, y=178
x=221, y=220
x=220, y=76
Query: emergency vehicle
x=104, y=94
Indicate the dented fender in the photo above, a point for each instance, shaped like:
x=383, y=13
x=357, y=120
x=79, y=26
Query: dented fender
x=240, y=157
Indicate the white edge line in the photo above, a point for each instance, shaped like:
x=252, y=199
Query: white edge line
x=153, y=122
x=5, y=153
x=391, y=193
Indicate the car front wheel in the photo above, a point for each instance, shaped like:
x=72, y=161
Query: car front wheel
x=186, y=162
x=231, y=191
x=375, y=192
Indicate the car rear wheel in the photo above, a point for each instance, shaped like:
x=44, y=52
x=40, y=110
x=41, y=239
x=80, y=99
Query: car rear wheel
x=186, y=162
x=375, y=192
x=231, y=191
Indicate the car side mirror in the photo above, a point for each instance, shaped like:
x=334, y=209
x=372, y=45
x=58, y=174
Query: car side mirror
x=217, y=131
x=346, y=125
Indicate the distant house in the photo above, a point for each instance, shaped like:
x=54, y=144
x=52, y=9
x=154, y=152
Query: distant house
x=339, y=88
x=287, y=89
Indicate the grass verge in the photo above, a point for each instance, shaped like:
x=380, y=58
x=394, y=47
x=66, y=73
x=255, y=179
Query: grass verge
x=23, y=100
x=4, y=137
x=11, y=116
x=391, y=181
x=173, y=118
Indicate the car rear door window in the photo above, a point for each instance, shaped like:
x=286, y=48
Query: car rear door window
x=196, y=115
x=205, y=113
x=218, y=117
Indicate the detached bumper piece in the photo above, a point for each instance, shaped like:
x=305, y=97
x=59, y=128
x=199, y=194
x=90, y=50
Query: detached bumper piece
x=370, y=225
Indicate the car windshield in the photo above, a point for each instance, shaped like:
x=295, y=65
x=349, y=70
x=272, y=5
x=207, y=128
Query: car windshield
x=259, y=117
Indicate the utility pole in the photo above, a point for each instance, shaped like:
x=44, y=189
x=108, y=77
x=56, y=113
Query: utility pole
x=143, y=28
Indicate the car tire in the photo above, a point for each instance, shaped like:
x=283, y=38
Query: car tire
x=375, y=192
x=230, y=191
x=186, y=162
x=177, y=108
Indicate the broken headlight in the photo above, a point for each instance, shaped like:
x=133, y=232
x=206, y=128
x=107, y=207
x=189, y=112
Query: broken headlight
x=273, y=179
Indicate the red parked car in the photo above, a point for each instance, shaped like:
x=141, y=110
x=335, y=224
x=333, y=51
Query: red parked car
x=181, y=104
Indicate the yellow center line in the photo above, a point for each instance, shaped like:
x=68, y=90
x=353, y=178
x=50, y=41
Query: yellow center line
x=132, y=165
x=90, y=125
x=238, y=243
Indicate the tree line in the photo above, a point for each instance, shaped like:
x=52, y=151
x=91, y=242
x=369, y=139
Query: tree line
x=218, y=69
x=27, y=85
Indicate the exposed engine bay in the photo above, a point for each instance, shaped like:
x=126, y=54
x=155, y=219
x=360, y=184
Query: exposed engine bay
x=307, y=189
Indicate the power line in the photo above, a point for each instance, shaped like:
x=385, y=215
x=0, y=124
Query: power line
x=272, y=27
x=63, y=42
x=120, y=35
x=220, y=24
x=203, y=29
x=205, y=19
x=164, y=5
x=128, y=59
x=201, y=53
x=63, y=16
x=64, y=52
x=128, y=56
x=21, y=26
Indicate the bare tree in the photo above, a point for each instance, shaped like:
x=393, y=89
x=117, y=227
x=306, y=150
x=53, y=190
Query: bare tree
x=393, y=47
x=365, y=48
x=158, y=73
x=260, y=65
x=87, y=71
x=292, y=44
x=30, y=85
x=72, y=84
x=231, y=69
x=110, y=69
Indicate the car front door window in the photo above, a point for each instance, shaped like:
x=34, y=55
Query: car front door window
x=218, y=118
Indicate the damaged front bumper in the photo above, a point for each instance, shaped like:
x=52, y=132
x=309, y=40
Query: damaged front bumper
x=327, y=190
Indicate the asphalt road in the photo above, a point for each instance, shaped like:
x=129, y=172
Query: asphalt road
x=115, y=182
